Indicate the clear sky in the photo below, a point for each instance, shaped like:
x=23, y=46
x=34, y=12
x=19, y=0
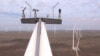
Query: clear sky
x=84, y=13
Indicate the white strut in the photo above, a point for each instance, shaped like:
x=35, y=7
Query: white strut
x=76, y=36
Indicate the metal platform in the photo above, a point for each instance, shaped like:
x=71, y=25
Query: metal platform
x=46, y=20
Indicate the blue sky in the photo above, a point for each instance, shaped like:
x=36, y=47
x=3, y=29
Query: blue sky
x=84, y=13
